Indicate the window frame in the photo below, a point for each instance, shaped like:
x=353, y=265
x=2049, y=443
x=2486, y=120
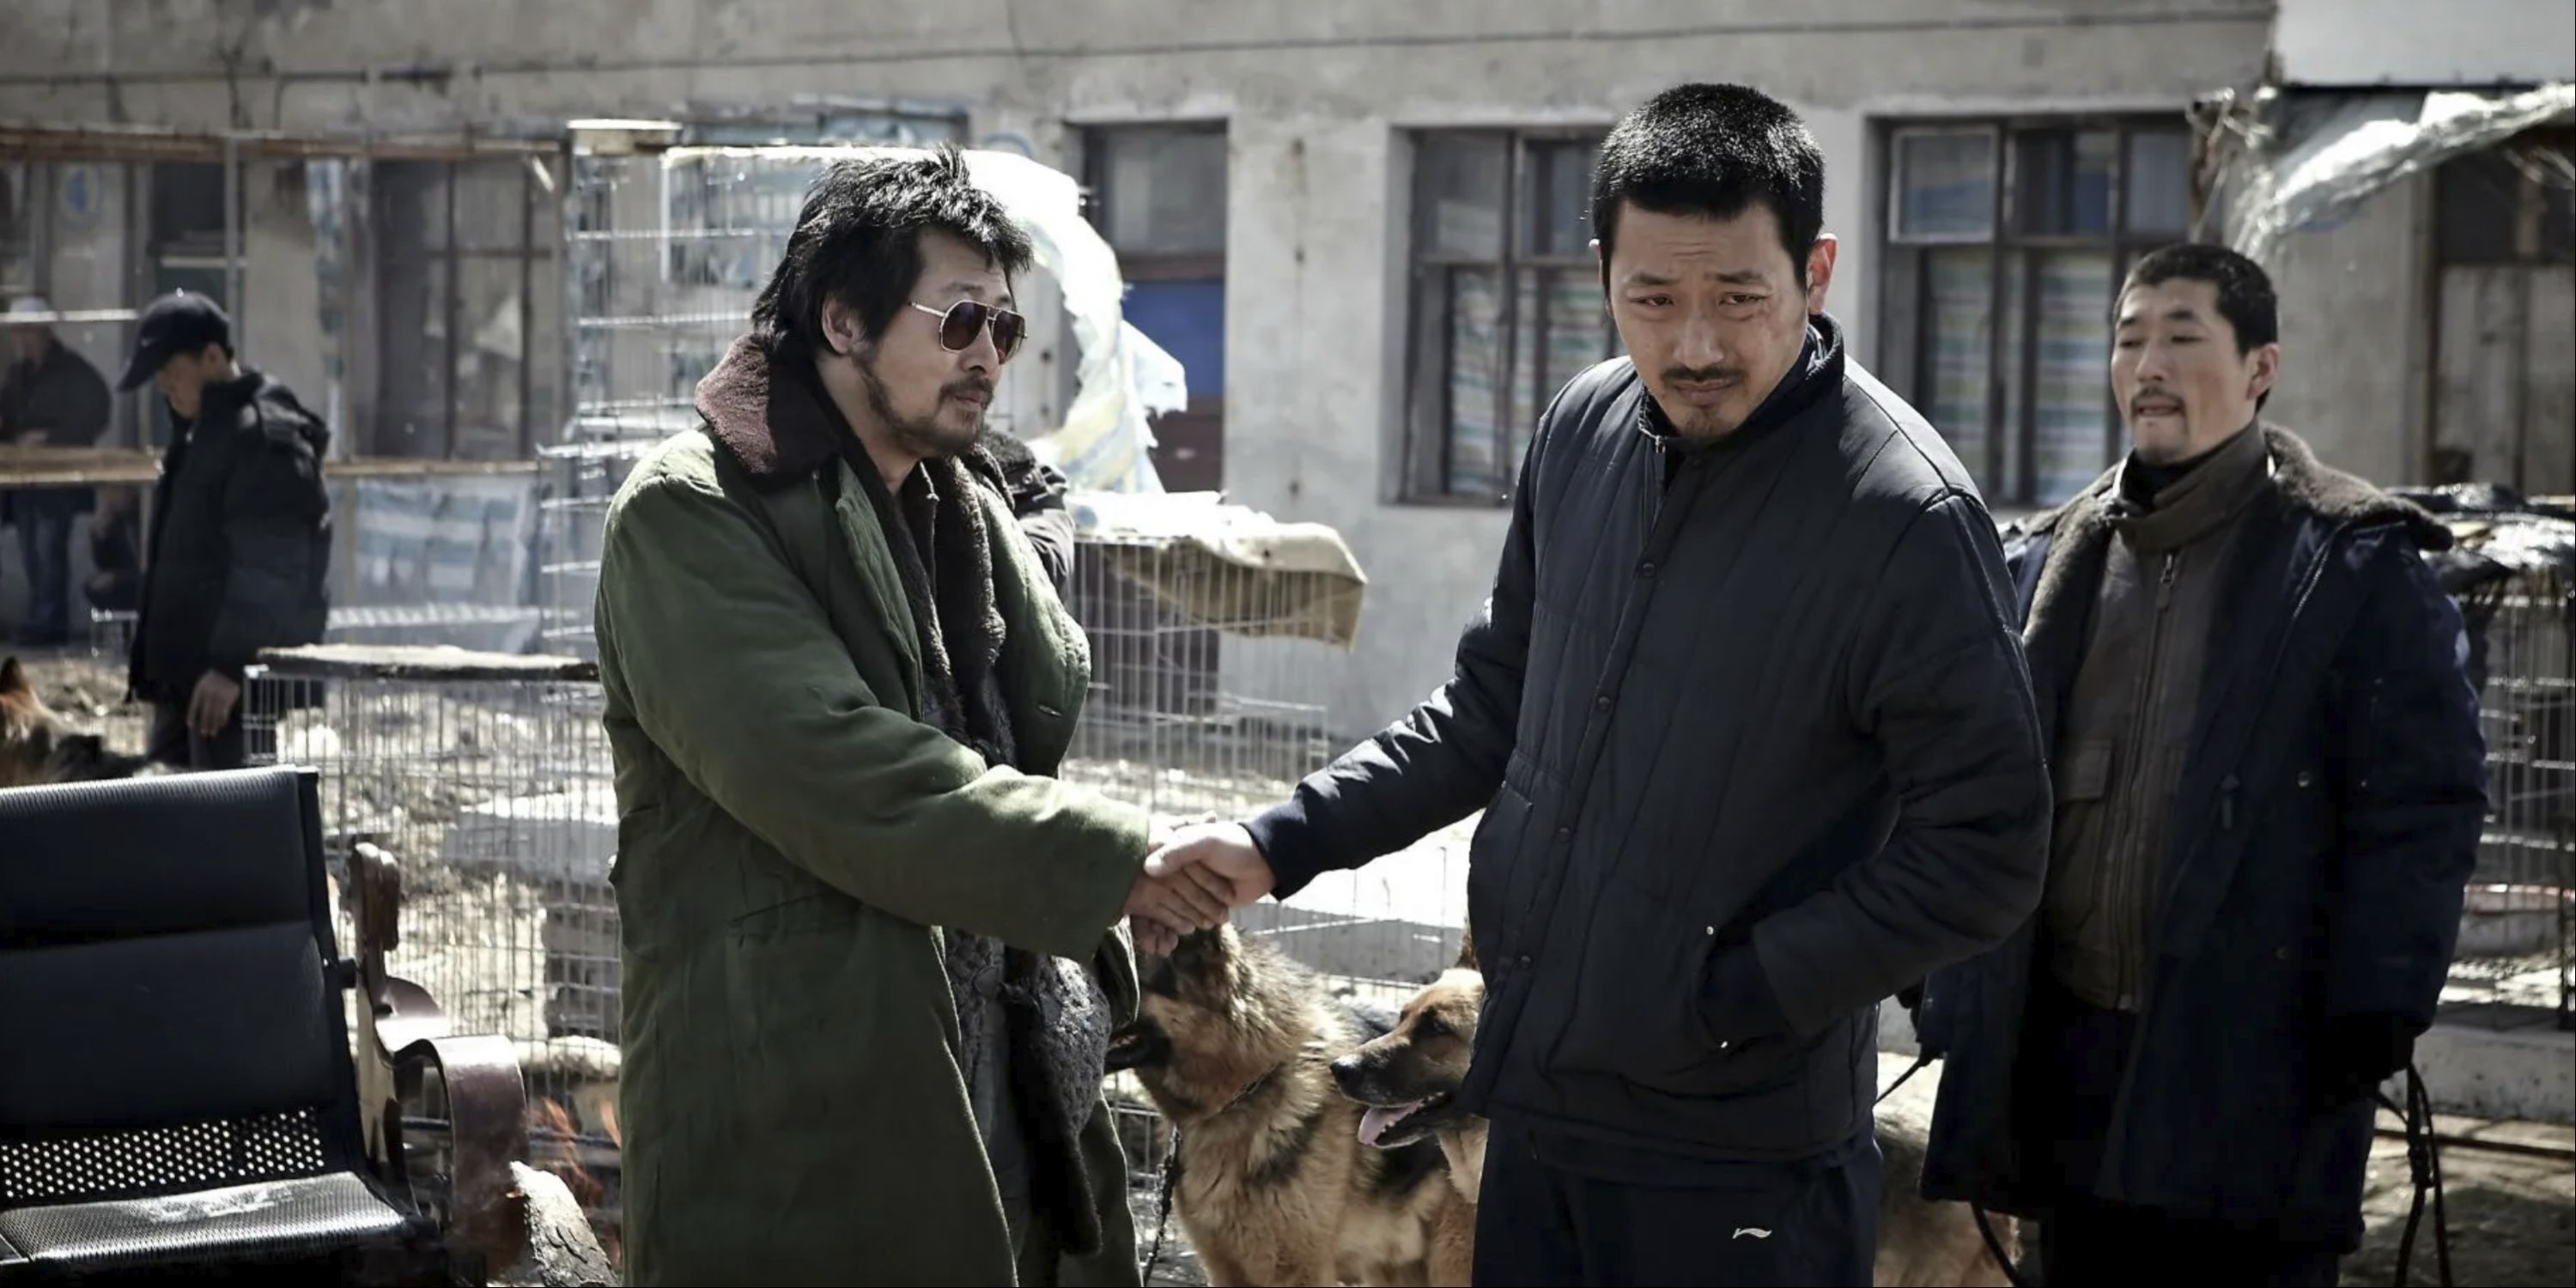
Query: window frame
x=1100, y=193
x=2535, y=247
x=2011, y=441
x=1426, y=269
x=1189, y=443
x=537, y=259
x=2533, y=242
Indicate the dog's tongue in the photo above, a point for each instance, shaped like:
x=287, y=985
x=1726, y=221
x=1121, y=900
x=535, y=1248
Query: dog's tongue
x=1376, y=1120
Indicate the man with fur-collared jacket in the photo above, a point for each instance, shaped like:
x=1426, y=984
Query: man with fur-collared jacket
x=2269, y=784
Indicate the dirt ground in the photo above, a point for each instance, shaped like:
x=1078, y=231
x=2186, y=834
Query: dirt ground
x=2513, y=1215
x=89, y=693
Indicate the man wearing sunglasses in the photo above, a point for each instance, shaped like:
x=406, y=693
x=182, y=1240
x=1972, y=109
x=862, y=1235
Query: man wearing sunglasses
x=871, y=950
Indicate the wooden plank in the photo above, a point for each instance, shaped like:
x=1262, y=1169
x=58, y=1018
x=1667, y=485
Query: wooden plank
x=88, y=467
x=2549, y=389
x=423, y=663
x=2476, y=404
x=29, y=141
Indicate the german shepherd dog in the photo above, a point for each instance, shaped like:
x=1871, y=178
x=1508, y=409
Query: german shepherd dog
x=1234, y=1045
x=38, y=746
x=1408, y=1080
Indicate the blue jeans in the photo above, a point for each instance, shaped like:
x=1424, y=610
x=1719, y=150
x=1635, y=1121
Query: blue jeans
x=44, y=520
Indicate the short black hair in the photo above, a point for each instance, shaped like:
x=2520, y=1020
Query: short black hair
x=1712, y=150
x=2245, y=296
x=858, y=240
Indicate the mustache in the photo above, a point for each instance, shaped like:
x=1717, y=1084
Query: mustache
x=1702, y=375
x=980, y=388
x=2154, y=395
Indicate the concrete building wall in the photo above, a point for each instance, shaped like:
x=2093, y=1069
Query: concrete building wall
x=281, y=294
x=2355, y=319
x=1318, y=96
x=2408, y=42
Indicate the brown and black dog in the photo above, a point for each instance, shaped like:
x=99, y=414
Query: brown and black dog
x=1234, y=1045
x=1408, y=1080
x=38, y=746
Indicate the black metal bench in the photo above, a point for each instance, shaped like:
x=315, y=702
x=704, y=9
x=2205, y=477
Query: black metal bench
x=179, y=1093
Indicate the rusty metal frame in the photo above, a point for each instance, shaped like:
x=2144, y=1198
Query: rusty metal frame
x=405, y=1036
x=41, y=144
x=105, y=143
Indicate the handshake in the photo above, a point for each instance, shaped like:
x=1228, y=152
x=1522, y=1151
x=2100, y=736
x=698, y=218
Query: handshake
x=1194, y=879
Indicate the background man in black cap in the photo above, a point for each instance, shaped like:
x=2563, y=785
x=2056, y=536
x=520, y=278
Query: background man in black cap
x=52, y=396
x=241, y=531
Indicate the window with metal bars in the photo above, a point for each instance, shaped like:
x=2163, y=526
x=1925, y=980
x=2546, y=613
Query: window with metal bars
x=2504, y=382
x=1505, y=302
x=2005, y=241
x=469, y=308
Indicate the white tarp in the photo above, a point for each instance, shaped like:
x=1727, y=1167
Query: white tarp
x=1228, y=566
x=2288, y=160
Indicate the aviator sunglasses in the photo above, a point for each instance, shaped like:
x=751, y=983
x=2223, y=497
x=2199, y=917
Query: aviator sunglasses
x=959, y=322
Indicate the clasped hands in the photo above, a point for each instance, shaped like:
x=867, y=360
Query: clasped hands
x=1194, y=878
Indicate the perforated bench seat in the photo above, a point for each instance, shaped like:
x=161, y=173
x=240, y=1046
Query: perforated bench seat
x=179, y=1094
x=292, y=1219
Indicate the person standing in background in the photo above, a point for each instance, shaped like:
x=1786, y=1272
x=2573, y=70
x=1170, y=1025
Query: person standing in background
x=2270, y=784
x=51, y=397
x=240, y=536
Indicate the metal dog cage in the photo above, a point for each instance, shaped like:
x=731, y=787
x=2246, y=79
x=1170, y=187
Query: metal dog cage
x=486, y=778
x=2514, y=579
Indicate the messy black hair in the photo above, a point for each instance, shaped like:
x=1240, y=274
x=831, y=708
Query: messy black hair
x=1712, y=150
x=858, y=240
x=2245, y=296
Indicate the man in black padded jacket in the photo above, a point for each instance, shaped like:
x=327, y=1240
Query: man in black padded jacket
x=241, y=532
x=1750, y=727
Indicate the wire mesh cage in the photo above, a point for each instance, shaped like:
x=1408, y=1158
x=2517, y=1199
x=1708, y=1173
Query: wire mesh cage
x=666, y=251
x=1212, y=635
x=126, y=725
x=2518, y=600
x=1167, y=726
x=486, y=778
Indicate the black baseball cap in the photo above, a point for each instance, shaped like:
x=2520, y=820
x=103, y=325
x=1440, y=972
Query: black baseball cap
x=179, y=322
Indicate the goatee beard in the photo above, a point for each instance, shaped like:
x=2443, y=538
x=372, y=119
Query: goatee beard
x=922, y=436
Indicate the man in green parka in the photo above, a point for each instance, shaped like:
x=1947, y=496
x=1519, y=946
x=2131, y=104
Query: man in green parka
x=872, y=946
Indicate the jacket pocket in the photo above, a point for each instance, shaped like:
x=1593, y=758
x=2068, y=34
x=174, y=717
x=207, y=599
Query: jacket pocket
x=806, y=914
x=2082, y=819
x=2088, y=772
x=1638, y=1012
x=1493, y=856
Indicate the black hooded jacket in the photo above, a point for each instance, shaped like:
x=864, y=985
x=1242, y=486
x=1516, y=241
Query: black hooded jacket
x=241, y=539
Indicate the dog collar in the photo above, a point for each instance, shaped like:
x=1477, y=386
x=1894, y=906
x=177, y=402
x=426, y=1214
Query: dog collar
x=1254, y=1086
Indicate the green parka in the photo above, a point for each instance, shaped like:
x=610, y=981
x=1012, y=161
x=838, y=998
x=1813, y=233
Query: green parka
x=791, y=839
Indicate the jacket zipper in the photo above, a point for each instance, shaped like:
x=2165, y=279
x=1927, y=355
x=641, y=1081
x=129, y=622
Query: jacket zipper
x=2228, y=785
x=2111, y=1157
x=2121, y=896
